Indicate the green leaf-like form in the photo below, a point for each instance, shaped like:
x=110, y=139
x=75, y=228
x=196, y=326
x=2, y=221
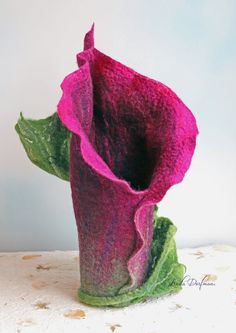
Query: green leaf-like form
x=164, y=276
x=46, y=142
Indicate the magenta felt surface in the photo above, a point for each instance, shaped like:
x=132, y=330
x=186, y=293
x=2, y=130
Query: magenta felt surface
x=133, y=138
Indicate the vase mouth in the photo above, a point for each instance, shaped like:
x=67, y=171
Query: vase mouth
x=105, y=102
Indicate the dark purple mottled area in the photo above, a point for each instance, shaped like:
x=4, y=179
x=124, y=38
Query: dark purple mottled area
x=133, y=138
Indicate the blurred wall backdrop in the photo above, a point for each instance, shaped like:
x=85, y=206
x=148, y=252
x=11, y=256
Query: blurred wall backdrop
x=188, y=45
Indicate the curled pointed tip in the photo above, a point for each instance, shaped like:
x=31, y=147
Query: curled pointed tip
x=89, y=38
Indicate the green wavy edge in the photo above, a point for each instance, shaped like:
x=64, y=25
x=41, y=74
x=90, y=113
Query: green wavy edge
x=164, y=276
x=46, y=142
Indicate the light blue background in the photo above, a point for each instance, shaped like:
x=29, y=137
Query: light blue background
x=188, y=45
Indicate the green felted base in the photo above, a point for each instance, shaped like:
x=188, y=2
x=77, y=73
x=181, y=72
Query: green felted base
x=164, y=276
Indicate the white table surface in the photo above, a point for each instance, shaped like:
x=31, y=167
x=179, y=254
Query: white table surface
x=38, y=294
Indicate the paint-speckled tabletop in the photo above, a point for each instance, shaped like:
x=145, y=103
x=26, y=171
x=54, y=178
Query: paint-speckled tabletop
x=38, y=294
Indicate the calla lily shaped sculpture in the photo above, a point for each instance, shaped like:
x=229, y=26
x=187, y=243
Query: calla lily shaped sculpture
x=122, y=140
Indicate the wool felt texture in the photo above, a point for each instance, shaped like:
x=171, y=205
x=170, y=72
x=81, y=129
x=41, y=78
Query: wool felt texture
x=164, y=274
x=46, y=143
x=132, y=139
x=122, y=140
